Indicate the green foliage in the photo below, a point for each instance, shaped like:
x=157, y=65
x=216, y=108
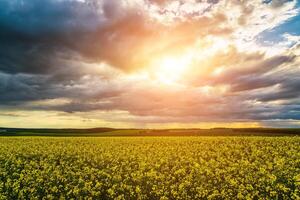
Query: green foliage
x=150, y=168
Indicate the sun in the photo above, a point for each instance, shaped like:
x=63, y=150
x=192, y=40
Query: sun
x=170, y=70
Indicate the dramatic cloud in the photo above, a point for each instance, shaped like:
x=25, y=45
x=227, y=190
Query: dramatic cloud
x=153, y=61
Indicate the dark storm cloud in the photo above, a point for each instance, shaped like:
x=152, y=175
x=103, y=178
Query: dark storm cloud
x=34, y=34
x=255, y=77
x=19, y=89
x=288, y=89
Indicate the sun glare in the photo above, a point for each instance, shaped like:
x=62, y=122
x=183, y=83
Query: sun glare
x=170, y=70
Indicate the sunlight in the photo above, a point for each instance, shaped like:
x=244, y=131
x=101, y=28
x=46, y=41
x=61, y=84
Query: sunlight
x=170, y=70
x=218, y=71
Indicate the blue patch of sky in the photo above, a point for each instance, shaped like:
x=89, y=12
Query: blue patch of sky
x=275, y=35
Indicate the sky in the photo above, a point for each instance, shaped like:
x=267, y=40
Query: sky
x=149, y=63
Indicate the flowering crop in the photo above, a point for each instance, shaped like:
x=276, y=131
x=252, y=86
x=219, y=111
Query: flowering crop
x=150, y=168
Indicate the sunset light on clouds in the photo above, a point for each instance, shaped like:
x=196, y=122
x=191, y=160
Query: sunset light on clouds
x=149, y=63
